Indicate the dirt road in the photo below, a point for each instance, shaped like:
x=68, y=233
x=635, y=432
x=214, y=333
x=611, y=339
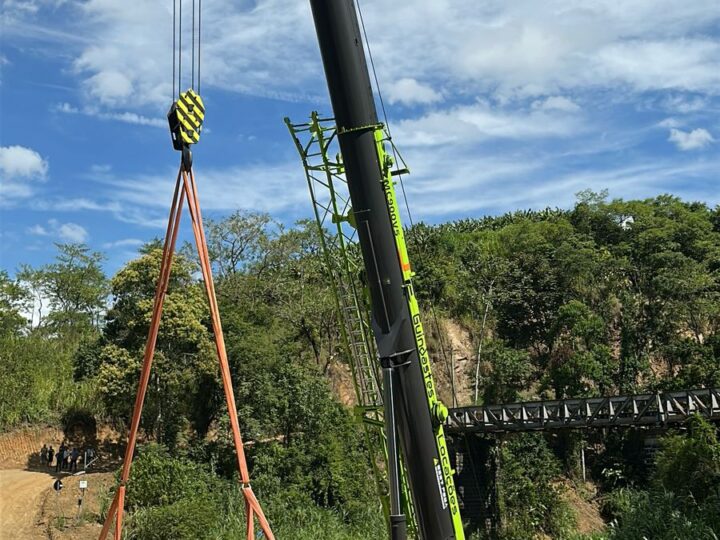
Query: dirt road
x=20, y=500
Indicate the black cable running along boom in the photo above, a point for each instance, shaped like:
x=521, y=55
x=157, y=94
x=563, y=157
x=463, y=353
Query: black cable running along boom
x=399, y=176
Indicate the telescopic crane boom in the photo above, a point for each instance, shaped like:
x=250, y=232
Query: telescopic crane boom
x=412, y=408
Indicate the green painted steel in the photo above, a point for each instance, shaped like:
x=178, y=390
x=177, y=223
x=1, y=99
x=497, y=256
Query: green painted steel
x=438, y=410
x=316, y=142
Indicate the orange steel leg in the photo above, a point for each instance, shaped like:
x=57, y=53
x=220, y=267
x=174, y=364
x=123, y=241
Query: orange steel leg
x=253, y=508
x=118, y=521
x=161, y=289
x=186, y=189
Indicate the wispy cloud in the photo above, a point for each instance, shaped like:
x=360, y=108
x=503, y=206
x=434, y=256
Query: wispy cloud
x=268, y=188
x=124, y=242
x=410, y=92
x=474, y=187
x=691, y=140
x=66, y=232
x=481, y=121
x=124, y=116
x=556, y=103
x=143, y=199
x=508, y=49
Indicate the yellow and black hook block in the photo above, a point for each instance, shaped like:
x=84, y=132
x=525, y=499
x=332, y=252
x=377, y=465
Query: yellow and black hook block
x=185, y=117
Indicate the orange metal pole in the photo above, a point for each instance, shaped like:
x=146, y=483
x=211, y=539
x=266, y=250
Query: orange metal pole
x=252, y=505
x=110, y=516
x=121, y=505
x=161, y=289
x=250, y=522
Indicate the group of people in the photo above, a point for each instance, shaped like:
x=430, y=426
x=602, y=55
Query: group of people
x=66, y=458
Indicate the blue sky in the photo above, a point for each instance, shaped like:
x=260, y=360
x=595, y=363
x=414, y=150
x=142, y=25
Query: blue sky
x=495, y=105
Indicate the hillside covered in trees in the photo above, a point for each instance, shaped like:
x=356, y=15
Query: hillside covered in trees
x=604, y=298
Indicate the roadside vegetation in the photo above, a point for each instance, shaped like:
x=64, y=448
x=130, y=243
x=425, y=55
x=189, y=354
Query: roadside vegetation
x=608, y=297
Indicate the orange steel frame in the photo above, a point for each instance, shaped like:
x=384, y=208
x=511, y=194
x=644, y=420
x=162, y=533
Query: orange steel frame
x=186, y=189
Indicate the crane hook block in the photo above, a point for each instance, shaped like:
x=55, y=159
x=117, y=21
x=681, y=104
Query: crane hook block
x=185, y=117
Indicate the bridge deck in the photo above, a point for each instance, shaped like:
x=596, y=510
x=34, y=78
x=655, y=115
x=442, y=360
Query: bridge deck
x=578, y=413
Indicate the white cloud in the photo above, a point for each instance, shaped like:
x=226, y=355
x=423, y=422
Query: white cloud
x=453, y=183
x=670, y=122
x=481, y=121
x=21, y=162
x=20, y=170
x=67, y=232
x=38, y=230
x=411, y=92
x=684, y=104
x=692, y=140
x=110, y=87
x=72, y=232
x=143, y=199
x=689, y=64
x=521, y=48
x=125, y=242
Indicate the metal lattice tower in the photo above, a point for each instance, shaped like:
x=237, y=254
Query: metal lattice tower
x=316, y=143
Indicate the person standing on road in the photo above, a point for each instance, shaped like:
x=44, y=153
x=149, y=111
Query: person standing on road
x=50, y=456
x=60, y=458
x=74, y=455
x=43, y=454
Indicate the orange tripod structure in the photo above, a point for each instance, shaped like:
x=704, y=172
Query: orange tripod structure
x=186, y=189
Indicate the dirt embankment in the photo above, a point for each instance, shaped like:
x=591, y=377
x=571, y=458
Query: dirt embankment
x=21, y=446
x=30, y=509
x=452, y=356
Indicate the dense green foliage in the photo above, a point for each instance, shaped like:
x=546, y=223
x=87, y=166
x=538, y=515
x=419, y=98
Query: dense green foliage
x=530, y=500
x=683, y=498
x=174, y=498
x=607, y=297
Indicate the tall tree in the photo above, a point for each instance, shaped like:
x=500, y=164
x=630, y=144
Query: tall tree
x=14, y=302
x=76, y=288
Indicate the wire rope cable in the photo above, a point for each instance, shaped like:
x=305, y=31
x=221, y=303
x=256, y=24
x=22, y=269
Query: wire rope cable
x=180, y=52
x=192, y=76
x=199, y=41
x=172, y=92
x=402, y=187
x=384, y=111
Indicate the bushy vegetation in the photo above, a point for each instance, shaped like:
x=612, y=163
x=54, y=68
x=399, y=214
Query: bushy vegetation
x=608, y=297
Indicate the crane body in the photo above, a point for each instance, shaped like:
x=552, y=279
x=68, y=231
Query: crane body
x=413, y=412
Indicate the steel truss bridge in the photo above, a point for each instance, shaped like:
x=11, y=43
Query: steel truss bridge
x=659, y=409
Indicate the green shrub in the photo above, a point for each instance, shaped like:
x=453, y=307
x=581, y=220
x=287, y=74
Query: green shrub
x=689, y=465
x=657, y=515
x=159, y=480
x=187, y=519
x=531, y=500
